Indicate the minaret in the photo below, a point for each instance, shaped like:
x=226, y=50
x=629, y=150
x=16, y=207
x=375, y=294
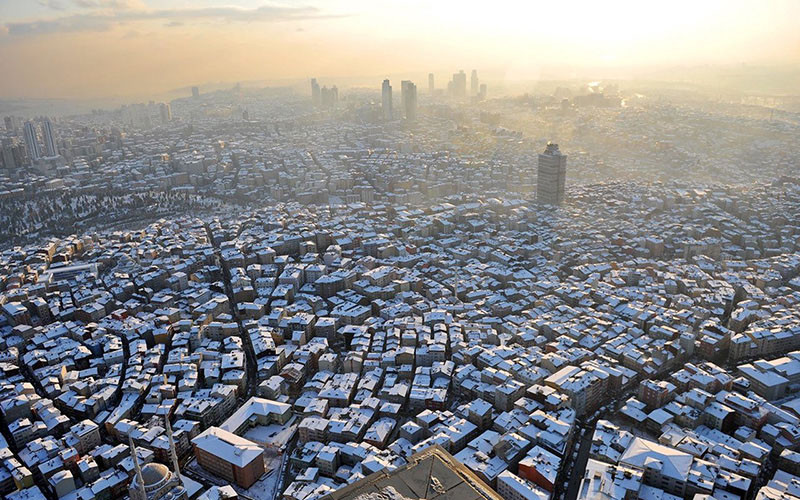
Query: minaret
x=139, y=478
x=172, y=451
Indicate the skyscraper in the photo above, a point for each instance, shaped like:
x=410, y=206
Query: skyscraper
x=403, y=94
x=316, y=94
x=473, y=82
x=431, y=88
x=50, y=147
x=551, y=176
x=411, y=102
x=165, y=111
x=195, y=92
x=386, y=100
x=15, y=153
x=9, y=162
x=329, y=97
x=31, y=142
x=460, y=84
x=408, y=97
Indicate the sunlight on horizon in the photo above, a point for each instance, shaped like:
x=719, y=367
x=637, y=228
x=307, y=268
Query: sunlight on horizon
x=132, y=47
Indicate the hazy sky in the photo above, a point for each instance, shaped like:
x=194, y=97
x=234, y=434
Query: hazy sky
x=103, y=48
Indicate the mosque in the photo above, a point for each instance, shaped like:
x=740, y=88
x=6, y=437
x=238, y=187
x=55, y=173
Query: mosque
x=155, y=481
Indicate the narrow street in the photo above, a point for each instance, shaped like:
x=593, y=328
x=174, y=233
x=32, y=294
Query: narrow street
x=575, y=478
x=250, y=358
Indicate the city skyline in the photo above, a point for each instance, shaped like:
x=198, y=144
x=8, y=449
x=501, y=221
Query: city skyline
x=248, y=40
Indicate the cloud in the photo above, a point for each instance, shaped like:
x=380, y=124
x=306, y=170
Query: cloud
x=52, y=4
x=67, y=24
x=109, y=4
x=265, y=13
x=103, y=20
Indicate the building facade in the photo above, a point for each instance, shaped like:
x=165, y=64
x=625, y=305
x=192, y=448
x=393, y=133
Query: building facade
x=551, y=176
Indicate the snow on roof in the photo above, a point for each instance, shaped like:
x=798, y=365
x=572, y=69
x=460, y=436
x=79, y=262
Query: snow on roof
x=258, y=407
x=227, y=446
x=643, y=453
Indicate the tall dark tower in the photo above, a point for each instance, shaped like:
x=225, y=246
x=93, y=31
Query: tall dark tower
x=50, y=147
x=32, y=142
x=551, y=176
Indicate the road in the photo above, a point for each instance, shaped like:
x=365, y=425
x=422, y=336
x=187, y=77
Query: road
x=575, y=478
x=250, y=354
x=585, y=444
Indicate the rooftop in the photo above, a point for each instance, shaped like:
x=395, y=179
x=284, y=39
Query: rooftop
x=429, y=474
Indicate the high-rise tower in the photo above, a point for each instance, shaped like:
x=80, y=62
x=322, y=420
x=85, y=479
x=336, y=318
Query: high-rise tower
x=316, y=93
x=551, y=176
x=30, y=140
x=50, y=147
x=9, y=162
x=408, y=94
x=165, y=111
x=460, y=84
x=386, y=100
x=431, y=87
x=473, y=82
